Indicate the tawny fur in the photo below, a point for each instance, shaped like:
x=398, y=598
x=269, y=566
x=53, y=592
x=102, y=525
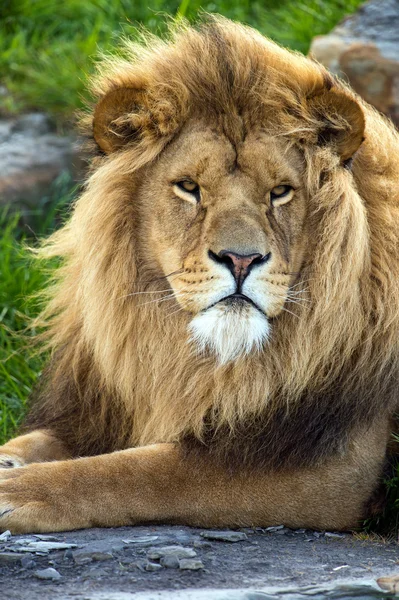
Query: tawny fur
x=123, y=372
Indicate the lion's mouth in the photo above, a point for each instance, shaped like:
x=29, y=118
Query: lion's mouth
x=237, y=300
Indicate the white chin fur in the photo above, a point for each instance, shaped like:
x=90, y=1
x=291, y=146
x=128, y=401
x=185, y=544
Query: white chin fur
x=230, y=331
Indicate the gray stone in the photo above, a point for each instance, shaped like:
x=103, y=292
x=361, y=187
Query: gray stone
x=46, y=538
x=44, y=548
x=224, y=536
x=190, y=564
x=27, y=562
x=82, y=557
x=32, y=156
x=150, y=566
x=170, y=562
x=147, y=539
x=4, y=537
x=178, y=551
x=10, y=557
x=364, y=50
x=49, y=573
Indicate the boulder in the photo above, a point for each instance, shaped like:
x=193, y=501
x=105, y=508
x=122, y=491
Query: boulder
x=363, y=49
x=32, y=156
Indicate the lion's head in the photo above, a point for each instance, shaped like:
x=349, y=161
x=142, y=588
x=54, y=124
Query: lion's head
x=224, y=215
x=225, y=208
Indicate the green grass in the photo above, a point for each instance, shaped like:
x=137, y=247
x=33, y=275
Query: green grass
x=21, y=277
x=47, y=47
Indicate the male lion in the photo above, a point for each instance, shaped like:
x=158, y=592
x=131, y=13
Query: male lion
x=225, y=326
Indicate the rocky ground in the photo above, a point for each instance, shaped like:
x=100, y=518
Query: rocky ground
x=162, y=562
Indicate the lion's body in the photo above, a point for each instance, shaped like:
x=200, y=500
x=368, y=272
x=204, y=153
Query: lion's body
x=311, y=398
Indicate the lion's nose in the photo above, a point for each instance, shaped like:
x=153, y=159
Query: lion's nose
x=239, y=264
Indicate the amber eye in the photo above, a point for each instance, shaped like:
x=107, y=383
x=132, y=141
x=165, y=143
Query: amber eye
x=281, y=194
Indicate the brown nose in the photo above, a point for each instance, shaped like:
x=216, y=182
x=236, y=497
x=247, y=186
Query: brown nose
x=239, y=264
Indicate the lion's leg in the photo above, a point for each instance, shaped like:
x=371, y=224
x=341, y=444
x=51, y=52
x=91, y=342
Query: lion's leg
x=158, y=483
x=37, y=446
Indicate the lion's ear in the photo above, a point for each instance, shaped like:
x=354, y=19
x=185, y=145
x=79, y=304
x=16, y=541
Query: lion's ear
x=341, y=121
x=117, y=119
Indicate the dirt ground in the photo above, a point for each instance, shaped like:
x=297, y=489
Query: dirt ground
x=162, y=562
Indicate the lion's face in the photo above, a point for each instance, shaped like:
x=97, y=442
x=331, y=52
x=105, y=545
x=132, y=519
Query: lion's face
x=225, y=223
x=227, y=154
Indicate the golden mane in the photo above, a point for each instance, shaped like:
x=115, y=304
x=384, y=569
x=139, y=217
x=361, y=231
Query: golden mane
x=123, y=372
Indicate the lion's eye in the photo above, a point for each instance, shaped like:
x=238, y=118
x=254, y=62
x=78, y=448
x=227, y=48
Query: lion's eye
x=281, y=194
x=188, y=186
x=187, y=190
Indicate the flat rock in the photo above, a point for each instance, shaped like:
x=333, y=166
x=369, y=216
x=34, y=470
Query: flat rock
x=224, y=536
x=49, y=546
x=177, y=551
x=10, y=557
x=81, y=557
x=190, y=564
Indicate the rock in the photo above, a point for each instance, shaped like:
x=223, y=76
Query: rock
x=27, y=563
x=10, y=557
x=23, y=541
x=32, y=156
x=46, y=538
x=364, y=49
x=50, y=573
x=203, y=545
x=148, y=539
x=45, y=547
x=334, y=536
x=82, y=557
x=224, y=536
x=178, y=551
x=170, y=562
x=4, y=537
x=274, y=528
x=149, y=566
x=189, y=564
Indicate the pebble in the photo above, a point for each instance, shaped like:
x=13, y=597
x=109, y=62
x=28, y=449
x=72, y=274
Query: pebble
x=274, y=528
x=337, y=536
x=178, y=551
x=49, y=573
x=152, y=567
x=190, y=564
x=225, y=536
x=4, y=537
x=10, y=557
x=170, y=562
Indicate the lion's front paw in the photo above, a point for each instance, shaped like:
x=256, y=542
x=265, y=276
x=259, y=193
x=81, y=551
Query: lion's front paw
x=28, y=502
x=10, y=462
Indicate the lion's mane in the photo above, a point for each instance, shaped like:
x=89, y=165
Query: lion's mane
x=122, y=373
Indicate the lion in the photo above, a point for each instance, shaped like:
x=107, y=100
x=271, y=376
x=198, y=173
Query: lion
x=224, y=323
